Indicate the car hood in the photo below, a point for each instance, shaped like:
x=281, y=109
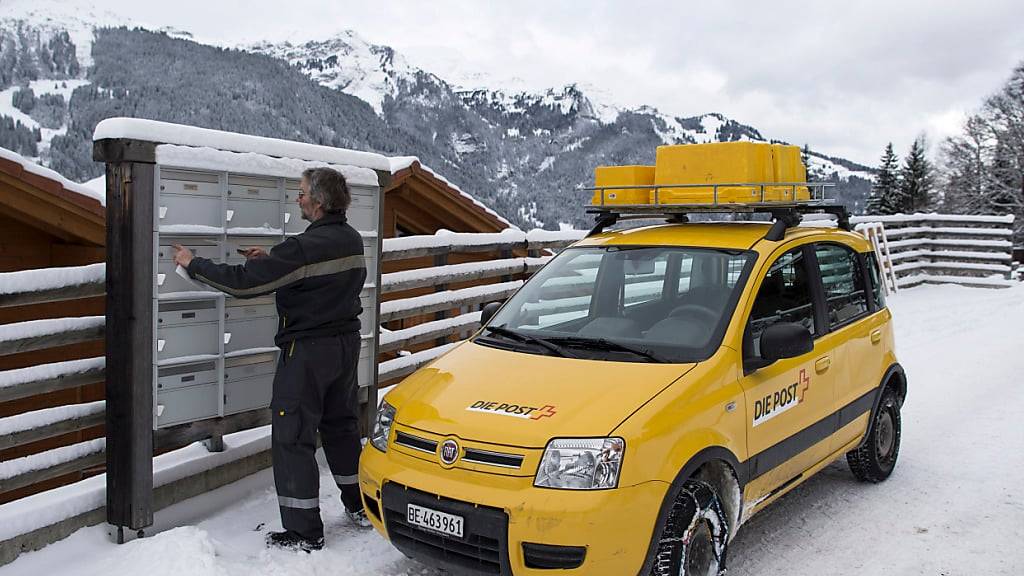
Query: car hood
x=485, y=394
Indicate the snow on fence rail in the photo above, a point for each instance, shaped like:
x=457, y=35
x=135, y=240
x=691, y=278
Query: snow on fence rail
x=948, y=248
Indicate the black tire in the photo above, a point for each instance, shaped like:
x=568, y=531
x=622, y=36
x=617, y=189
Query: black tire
x=875, y=459
x=695, y=535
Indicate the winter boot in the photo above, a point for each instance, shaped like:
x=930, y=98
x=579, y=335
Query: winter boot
x=289, y=540
x=358, y=518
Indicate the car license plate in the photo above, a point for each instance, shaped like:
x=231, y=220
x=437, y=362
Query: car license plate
x=449, y=524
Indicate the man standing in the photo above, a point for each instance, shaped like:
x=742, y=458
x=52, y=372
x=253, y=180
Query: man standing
x=317, y=276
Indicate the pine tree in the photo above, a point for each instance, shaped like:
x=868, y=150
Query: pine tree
x=916, y=180
x=884, y=198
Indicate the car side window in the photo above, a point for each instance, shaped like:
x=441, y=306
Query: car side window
x=784, y=296
x=846, y=297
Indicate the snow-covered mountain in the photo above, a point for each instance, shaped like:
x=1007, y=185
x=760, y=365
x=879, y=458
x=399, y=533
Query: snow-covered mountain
x=525, y=153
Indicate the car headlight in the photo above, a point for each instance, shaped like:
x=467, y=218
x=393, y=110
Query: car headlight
x=382, y=426
x=581, y=463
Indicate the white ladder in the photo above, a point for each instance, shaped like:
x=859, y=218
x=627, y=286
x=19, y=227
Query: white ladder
x=875, y=233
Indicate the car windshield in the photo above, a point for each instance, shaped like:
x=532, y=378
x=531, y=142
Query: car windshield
x=637, y=304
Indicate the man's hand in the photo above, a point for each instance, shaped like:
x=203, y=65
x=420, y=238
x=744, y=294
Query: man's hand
x=182, y=255
x=254, y=252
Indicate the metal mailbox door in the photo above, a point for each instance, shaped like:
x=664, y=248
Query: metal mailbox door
x=248, y=382
x=367, y=365
x=186, y=404
x=188, y=214
x=370, y=254
x=362, y=212
x=235, y=243
x=253, y=188
x=167, y=278
x=186, y=375
x=189, y=328
x=248, y=333
x=368, y=317
x=293, y=222
x=189, y=183
x=254, y=214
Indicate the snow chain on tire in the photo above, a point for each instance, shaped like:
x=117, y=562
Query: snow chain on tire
x=696, y=505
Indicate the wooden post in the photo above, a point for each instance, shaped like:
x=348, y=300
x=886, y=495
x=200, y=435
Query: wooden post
x=130, y=171
x=441, y=260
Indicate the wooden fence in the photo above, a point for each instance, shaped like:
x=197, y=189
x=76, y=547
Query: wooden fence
x=946, y=248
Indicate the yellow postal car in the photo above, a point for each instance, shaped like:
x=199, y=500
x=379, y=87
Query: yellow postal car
x=637, y=399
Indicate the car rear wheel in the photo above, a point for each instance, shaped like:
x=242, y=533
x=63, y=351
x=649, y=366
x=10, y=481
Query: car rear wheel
x=695, y=534
x=875, y=459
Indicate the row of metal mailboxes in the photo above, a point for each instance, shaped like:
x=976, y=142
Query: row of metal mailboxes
x=195, y=203
x=226, y=251
x=192, y=327
x=190, y=392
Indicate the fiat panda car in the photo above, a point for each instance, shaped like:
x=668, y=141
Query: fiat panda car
x=637, y=400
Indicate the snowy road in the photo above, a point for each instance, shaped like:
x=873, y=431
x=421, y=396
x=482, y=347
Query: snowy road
x=954, y=506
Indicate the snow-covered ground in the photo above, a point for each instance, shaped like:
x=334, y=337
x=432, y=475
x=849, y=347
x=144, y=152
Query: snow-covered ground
x=954, y=506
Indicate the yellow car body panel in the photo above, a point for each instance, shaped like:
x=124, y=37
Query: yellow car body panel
x=668, y=415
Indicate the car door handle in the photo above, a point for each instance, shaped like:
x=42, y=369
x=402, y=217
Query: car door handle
x=876, y=336
x=822, y=364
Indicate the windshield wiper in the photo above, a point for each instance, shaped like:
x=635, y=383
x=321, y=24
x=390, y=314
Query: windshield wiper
x=605, y=344
x=509, y=333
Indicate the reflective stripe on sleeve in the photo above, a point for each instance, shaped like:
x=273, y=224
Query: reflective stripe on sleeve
x=345, y=480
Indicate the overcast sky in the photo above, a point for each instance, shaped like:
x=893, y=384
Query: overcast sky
x=845, y=77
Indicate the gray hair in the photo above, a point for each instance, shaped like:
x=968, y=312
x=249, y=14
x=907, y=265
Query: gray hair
x=328, y=188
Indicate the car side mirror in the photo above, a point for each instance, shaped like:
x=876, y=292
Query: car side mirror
x=785, y=340
x=487, y=312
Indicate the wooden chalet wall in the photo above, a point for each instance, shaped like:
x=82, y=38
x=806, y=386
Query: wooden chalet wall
x=418, y=202
x=44, y=225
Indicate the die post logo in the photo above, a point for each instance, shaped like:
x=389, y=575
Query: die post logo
x=781, y=400
x=513, y=410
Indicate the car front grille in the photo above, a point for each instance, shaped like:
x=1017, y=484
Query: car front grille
x=415, y=442
x=481, y=550
x=473, y=455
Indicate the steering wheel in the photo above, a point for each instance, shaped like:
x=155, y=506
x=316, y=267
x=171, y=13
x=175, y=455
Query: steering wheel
x=704, y=314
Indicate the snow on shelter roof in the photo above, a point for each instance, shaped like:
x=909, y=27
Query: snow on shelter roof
x=17, y=165
x=167, y=133
x=399, y=163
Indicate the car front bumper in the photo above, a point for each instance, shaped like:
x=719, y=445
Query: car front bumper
x=511, y=527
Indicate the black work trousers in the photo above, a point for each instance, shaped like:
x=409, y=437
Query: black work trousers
x=315, y=388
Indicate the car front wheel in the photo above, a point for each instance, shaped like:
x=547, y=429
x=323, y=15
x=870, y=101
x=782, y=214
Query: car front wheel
x=695, y=534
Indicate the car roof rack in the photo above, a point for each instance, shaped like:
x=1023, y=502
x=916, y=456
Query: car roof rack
x=786, y=214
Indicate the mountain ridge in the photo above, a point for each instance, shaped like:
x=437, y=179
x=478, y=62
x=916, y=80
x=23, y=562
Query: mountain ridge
x=520, y=152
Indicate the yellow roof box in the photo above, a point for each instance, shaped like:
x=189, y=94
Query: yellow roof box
x=740, y=169
x=615, y=177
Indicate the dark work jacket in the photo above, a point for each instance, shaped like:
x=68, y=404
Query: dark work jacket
x=317, y=276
